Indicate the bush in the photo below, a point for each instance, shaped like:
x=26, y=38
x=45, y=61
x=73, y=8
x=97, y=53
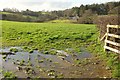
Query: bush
x=85, y=20
x=102, y=22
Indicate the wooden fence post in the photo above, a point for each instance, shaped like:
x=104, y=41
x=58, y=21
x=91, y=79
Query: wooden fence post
x=106, y=44
x=114, y=42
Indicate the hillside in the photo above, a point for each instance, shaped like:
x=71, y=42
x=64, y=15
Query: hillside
x=84, y=14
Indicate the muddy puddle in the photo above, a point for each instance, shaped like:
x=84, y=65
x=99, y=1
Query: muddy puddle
x=35, y=64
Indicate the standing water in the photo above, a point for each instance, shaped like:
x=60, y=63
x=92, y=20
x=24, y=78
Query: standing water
x=25, y=64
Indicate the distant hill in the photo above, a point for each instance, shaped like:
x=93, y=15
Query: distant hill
x=83, y=14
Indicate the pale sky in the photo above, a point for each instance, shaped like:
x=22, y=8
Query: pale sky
x=38, y=5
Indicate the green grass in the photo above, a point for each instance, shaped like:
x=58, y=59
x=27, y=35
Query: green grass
x=46, y=35
x=5, y=13
x=24, y=16
x=62, y=21
x=13, y=49
x=9, y=75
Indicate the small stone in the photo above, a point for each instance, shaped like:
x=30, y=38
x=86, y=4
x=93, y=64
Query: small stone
x=91, y=73
x=77, y=59
x=50, y=60
x=104, y=77
x=51, y=70
x=108, y=68
x=50, y=74
x=25, y=72
x=73, y=64
x=28, y=77
x=29, y=58
x=40, y=70
x=80, y=72
x=63, y=58
x=19, y=68
x=18, y=63
x=95, y=63
x=53, y=76
x=13, y=62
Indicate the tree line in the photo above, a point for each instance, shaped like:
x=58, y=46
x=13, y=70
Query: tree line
x=83, y=14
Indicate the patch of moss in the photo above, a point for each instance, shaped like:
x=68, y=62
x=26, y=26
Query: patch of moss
x=30, y=51
x=9, y=75
x=14, y=50
x=41, y=61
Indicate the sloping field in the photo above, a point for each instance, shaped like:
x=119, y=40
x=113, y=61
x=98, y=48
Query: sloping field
x=46, y=35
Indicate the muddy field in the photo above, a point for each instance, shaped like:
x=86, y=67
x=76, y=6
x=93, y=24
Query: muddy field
x=54, y=50
x=38, y=65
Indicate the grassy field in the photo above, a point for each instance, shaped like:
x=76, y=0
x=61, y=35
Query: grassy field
x=5, y=13
x=60, y=36
x=47, y=35
x=63, y=21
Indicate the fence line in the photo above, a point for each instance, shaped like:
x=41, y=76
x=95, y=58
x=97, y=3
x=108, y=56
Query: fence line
x=117, y=44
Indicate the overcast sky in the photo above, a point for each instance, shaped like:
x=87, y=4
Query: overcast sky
x=38, y=5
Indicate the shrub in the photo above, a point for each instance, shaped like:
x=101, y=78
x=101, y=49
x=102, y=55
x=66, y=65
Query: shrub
x=102, y=22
